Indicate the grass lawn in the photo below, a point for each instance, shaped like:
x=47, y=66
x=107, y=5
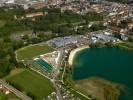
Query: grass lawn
x=32, y=51
x=2, y=23
x=2, y=96
x=31, y=83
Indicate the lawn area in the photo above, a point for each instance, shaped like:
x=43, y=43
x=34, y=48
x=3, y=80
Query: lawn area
x=32, y=51
x=30, y=83
x=2, y=23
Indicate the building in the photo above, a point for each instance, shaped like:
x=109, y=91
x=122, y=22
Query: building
x=34, y=14
x=60, y=41
x=104, y=37
x=5, y=90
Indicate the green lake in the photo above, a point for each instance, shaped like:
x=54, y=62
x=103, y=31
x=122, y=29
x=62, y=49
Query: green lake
x=109, y=63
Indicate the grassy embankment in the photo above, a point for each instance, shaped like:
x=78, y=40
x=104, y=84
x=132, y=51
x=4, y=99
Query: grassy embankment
x=32, y=51
x=30, y=83
x=125, y=45
x=69, y=83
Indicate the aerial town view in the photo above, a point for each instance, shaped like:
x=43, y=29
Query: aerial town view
x=66, y=49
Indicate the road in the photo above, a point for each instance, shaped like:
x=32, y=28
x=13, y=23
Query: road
x=63, y=73
x=59, y=62
x=58, y=65
x=57, y=91
x=15, y=91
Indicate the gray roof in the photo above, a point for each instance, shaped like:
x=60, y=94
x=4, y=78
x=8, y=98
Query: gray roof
x=104, y=37
x=59, y=42
x=21, y=2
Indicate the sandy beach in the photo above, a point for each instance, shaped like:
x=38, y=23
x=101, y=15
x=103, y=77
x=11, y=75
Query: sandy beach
x=73, y=53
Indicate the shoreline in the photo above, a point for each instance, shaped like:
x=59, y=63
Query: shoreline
x=73, y=53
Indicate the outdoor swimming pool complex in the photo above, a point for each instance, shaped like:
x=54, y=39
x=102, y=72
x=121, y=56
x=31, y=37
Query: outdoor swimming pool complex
x=46, y=66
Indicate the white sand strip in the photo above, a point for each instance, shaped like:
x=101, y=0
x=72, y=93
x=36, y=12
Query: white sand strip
x=73, y=53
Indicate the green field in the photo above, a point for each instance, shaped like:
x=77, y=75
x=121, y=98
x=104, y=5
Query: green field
x=2, y=96
x=30, y=83
x=2, y=23
x=32, y=51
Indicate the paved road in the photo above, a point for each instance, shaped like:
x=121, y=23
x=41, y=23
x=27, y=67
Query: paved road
x=15, y=91
x=57, y=91
x=56, y=74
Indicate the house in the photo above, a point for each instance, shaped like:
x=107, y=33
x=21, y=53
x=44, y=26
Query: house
x=124, y=37
x=34, y=14
x=130, y=25
x=5, y=90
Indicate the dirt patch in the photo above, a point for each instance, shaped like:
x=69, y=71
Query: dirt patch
x=99, y=89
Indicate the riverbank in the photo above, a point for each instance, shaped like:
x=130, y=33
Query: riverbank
x=73, y=53
x=125, y=45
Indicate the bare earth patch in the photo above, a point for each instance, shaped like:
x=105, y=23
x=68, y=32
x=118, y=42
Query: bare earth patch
x=99, y=89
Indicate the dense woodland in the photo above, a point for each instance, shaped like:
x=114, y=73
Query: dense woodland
x=122, y=1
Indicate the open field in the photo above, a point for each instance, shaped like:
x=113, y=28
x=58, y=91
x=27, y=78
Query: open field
x=32, y=51
x=30, y=83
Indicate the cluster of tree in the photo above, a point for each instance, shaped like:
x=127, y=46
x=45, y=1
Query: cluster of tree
x=93, y=16
x=56, y=19
x=11, y=25
x=7, y=55
x=97, y=27
x=123, y=24
x=94, y=27
x=121, y=1
x=97, y=45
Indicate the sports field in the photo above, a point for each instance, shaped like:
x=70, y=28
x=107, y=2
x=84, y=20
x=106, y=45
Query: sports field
x=32, y=51
x=31, y=83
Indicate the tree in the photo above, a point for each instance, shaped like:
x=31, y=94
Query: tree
x=117, y=35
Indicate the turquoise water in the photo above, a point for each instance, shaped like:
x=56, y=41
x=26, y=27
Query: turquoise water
x=109, y=63
x=44, y=64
